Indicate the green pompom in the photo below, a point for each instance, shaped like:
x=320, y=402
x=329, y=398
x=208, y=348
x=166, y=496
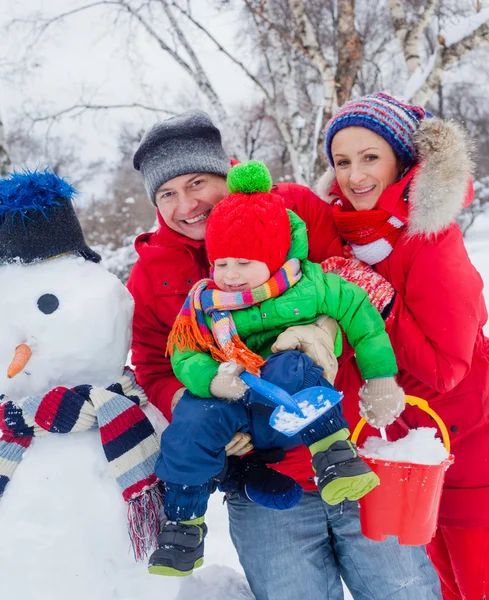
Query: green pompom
x=249, y=177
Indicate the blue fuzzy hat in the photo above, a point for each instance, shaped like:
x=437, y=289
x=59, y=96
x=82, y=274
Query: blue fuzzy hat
x=392, y=119
x=38, y=220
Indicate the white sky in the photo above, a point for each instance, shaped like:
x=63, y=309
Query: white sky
x=86, y=56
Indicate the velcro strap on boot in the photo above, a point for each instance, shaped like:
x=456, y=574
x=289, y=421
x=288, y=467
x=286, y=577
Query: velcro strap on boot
x=338, y=453
x=185, y=536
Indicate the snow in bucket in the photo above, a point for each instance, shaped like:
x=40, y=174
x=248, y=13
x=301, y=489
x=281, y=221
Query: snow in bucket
x=420, y=446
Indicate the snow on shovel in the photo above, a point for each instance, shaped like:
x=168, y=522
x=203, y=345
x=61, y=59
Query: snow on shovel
x=293, y=413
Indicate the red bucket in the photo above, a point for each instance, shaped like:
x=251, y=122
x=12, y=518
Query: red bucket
x=407, y=501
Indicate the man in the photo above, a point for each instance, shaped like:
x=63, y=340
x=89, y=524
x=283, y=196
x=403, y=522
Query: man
x=289, y=554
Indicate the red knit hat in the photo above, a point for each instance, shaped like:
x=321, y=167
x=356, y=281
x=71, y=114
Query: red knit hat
x=251, y=223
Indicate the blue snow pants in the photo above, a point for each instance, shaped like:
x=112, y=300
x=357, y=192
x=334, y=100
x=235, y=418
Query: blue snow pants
x=192, y=446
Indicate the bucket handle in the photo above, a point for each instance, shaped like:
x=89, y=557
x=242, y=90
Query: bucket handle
x=423, y=405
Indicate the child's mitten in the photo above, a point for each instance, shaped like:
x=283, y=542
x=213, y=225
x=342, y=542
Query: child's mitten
x=227, y=384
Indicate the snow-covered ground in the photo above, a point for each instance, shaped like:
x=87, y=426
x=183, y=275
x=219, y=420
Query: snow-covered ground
x=477, y=243
x=66, y=561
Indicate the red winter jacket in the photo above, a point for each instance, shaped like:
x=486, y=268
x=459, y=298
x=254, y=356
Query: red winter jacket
x=436, y=322
x=168, y=265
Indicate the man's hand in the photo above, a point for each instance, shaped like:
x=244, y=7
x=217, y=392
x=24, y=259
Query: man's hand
x=382, y=400
x=316, y=340
x=227, y=384
x=239, y=445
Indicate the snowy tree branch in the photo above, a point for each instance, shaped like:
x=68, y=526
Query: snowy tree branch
x=199, y=75
x=41, y=25
x=221, y=48
x=78, y=109
x=260, y=14
x=449, y=55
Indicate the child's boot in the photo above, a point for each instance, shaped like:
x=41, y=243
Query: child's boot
x=180, y=548
x=340, y=472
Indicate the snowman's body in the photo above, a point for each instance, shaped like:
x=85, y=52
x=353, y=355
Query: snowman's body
x=63, y=525
x=63, y=528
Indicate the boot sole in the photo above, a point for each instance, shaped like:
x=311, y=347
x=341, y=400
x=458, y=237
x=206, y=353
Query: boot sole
x=171, y=572
x=349, y=488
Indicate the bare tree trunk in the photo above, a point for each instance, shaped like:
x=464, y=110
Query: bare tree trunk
x=5, y=163
x=350, y=50
x=409, y=33
x=310, y=45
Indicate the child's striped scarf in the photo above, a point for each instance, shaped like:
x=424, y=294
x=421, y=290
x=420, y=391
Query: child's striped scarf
x=190, y=331
x=128, y=439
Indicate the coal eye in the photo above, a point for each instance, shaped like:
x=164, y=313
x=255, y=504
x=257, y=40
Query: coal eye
x=47, y=303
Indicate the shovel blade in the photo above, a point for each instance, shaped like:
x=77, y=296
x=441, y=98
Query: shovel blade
x=313, y=402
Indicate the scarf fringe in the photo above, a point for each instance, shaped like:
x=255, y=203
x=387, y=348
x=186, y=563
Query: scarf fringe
x=239, y=353
x=186, y=338
x=144, y=515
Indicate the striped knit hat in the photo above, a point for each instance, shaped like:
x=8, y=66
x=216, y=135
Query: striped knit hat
x=395, y=121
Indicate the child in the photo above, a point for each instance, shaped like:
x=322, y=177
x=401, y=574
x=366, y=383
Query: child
x=258, y=251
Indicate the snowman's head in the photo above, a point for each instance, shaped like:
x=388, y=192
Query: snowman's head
x=63, y=322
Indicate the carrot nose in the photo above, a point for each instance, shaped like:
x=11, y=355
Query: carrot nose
x=21, y=358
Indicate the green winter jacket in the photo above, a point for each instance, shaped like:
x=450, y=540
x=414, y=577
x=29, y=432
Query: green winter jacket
x=315, y=294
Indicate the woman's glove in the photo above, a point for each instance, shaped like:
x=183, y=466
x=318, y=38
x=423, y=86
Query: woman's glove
x=227, y=383
x=316, y=340
x=380, y=291
x=381, y=401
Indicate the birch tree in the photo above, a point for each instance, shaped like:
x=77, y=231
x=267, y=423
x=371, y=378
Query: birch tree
x=303, y=57
x=426, y=72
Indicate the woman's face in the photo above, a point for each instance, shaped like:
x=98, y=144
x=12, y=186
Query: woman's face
x=365, y=165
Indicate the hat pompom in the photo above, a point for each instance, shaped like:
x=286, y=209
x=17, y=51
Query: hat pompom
x=249, y=178
x=22, y=193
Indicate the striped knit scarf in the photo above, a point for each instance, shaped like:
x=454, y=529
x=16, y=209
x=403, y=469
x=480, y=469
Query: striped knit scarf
x=128, y=439
x=371, y=234
x=190, y=331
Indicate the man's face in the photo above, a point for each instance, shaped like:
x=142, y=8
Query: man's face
x=185, y=202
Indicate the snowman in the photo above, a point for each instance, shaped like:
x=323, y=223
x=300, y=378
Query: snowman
x=76, y=451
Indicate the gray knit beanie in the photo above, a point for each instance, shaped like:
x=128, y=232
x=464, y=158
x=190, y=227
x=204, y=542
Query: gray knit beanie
x=187, y=143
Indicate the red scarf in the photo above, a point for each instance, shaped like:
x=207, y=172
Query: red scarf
x=372, y=234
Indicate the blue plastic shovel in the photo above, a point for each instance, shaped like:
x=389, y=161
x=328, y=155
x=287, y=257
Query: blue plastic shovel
x=293, y=413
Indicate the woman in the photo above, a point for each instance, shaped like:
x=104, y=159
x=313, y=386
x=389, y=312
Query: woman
x=399, y=179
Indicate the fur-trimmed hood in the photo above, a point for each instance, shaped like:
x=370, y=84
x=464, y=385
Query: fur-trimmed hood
x=439, y=189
